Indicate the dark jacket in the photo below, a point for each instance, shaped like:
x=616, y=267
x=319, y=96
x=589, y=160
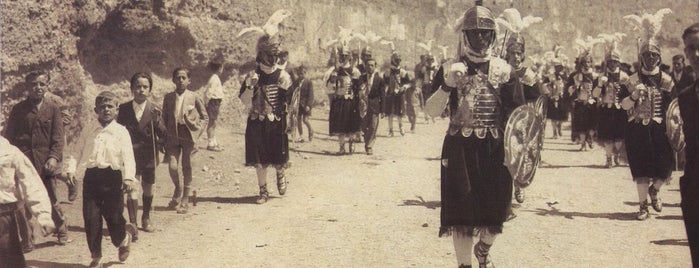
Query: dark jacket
x=39, y=134
x=686, y=79
x=689, y=111
x=194, y=110
x=142, y=133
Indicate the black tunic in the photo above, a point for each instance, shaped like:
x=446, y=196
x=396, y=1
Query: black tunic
x=266, y=141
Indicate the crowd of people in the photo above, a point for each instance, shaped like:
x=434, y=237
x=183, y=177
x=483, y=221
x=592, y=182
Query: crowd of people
x=620, y=107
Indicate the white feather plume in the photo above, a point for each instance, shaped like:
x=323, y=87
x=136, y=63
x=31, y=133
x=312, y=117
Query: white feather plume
x=512, y=20
x=444, y=51
x=586, y=45
x=611, y=40
x=648, y=24
x=426, y=46
x=271, y=27
x=344, y=36
x=390, y=43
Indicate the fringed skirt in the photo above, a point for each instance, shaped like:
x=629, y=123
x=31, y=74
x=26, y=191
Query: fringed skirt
x=584, y=117
x=344, y=116
x=476, y=186
x=557, y=111
x=266, y=142
x=611, y=124
x=394, y=104
x=648, y=150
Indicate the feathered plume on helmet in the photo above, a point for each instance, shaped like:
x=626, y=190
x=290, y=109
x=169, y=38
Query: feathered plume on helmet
x=270, y=40
x=369, y=38
x=341, y=42
x=585, y=46
x=611, y=42
x=511, y=21
x=649, y=25
x=395, y=57
x=426, y=46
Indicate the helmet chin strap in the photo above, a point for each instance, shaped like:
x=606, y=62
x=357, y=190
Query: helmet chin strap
x=474, y=56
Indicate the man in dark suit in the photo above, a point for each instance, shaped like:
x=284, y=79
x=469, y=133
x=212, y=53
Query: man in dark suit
x=35, y=126
x=689, y=111
x=142, y=119
x=184, y=115
x=682, y=75
x=370, y=97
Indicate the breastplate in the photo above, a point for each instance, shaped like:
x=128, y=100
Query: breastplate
x=393, y=84
x=267, y=102
x=478, y=108
x=649, y=107
x=343, y=85
x=611, y=96
x=584, y=92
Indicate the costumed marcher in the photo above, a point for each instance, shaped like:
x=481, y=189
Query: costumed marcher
x=423, y=81
x=141, y=117
x=610, y=89
x=648, y=148
x=19, y=180
x=344, y=120
x=107, y=168
x=526, y=80
x=579, y=86
x=397, y=82
x=35, y=126
x=184, y=115
x=371, y=94
x=554, y=80
x=266, y=141
x=689, y=112
x=476, y=185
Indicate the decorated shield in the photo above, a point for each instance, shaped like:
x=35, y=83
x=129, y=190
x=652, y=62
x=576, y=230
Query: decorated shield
x=541, y=107
x=523, y=144
x=673, y=123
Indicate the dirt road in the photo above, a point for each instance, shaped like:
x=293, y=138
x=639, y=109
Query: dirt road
x=383, y=211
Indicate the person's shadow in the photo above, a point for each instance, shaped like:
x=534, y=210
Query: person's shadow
x=619, y=216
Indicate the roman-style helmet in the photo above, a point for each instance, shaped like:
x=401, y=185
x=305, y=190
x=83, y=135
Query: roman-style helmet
x=649, y=25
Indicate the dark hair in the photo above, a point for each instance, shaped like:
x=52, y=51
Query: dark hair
x=301, y=69
x=214, y=66
x=174, y=73
x=136, y=76
x=36, y=73
x=678, y=57
x=692, y=29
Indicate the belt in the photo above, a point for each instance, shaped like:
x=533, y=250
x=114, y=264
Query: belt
x=8, y=208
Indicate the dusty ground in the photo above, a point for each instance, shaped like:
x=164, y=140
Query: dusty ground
x=383, y=211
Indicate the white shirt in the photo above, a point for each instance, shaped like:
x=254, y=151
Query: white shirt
x=179, y=101
x=105, y=147
x=214, y=88
x=138, y=109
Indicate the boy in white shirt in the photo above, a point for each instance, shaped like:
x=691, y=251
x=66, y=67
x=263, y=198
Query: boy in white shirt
x=107, y=167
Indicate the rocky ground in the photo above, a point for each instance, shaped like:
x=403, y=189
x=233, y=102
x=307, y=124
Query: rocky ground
x=383, y=211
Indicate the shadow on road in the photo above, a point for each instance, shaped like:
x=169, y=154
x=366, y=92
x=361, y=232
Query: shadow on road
x=310, y=152
x=34, y=263
x=671, y=242
x=619, y=216
x=573, y=166
x=635, y=204
x=231, y=200
x=422, y=203
x=670, y=217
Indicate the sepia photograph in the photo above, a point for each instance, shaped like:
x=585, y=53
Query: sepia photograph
x=349, y=133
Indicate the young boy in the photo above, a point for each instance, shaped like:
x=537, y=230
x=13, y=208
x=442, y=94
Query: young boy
x=107, y=167
x=19, y=180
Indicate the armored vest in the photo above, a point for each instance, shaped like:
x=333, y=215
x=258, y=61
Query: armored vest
x=395, y=79
x=649, y=106
x=341, y=80
x=583, y=87
x=269, y=95
x=556, y=89
x=476, y=107
x=610, y=90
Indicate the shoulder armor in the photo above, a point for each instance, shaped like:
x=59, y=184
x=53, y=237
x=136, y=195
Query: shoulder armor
x=666, y=83
x=500, y=72
x=529, y=77
x=284, y=80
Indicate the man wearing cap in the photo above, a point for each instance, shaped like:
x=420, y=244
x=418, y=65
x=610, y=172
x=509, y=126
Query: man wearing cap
x=610, y=89
x=35, y=126
x=107, y=167
x=476, y=185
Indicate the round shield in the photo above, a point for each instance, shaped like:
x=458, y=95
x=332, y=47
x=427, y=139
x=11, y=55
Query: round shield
x=674, y=123
x=541, y=106
x=522, y=144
